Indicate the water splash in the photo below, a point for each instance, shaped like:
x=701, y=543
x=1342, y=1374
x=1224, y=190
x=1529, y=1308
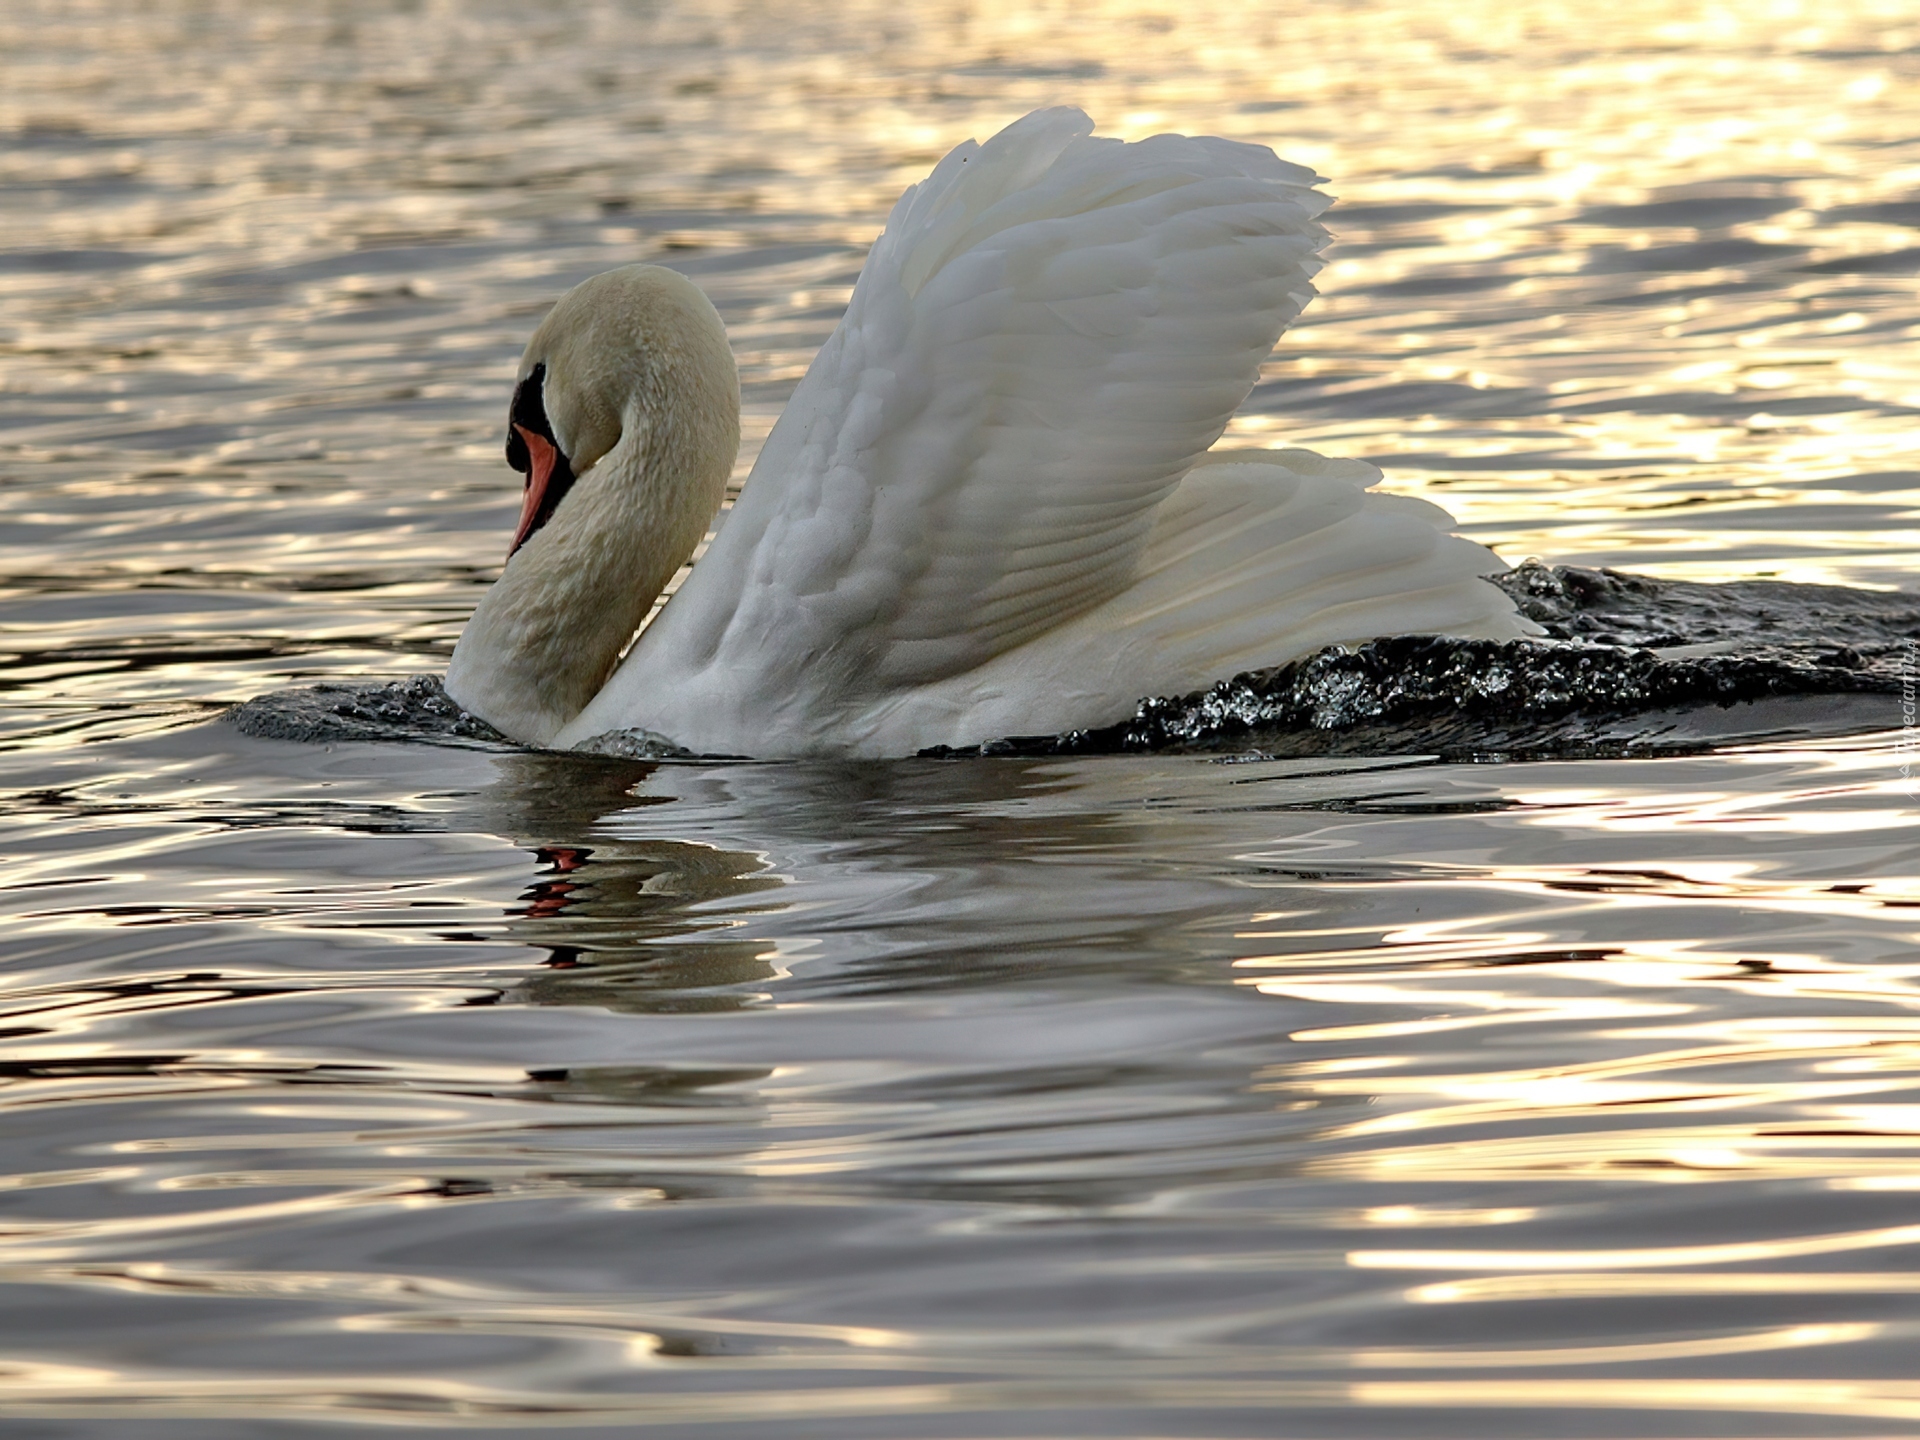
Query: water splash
x=416, y=708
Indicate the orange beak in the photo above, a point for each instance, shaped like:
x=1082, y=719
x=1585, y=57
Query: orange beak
x=542, y=454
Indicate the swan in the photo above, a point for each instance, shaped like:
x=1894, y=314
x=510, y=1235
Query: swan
x=992, y=506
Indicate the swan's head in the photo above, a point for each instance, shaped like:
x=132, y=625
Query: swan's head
x=625, y=420
x=630, y=346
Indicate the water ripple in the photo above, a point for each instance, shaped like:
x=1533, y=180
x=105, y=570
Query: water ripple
x=461, y=1088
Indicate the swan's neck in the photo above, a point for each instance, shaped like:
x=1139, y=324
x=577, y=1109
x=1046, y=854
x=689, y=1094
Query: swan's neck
x=550, y=631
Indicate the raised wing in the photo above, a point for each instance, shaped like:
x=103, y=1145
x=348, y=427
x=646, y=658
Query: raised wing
x=1049, y=333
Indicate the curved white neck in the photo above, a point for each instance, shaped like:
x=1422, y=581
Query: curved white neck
x=549, y=632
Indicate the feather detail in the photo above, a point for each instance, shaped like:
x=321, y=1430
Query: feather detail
x=1051, y=332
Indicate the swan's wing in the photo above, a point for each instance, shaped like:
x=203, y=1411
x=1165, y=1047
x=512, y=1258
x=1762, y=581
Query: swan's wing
x=1257, y=559
x=1051, y=330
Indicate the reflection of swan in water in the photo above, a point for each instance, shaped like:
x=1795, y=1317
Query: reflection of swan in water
x=875, y=915
x=620, y=920
x=663, y=889
x=989, y=507
x=621, y=917
x=660, y=888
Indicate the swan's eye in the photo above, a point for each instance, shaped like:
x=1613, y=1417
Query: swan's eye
x=529, y=409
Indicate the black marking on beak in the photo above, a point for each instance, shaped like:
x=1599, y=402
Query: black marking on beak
x=529, y=412
x=529, y=408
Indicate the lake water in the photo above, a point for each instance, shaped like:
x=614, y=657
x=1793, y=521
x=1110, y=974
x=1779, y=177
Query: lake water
x=459, y=1090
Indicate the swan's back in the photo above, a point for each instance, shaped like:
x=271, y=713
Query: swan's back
x=1050, y=333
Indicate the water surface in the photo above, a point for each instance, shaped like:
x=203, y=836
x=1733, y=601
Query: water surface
x=455, y=1089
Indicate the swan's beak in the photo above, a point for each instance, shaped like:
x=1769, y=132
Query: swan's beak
x=542, y=456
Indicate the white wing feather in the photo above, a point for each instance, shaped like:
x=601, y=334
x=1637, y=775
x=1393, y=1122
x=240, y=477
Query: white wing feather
x=972, y=521
x=1051, y=331
x=1256, y=559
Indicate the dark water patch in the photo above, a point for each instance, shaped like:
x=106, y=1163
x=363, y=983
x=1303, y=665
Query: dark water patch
x=1700, y=213
x=189, y=439
x=1681, y=294
x=28, y=669
x=1375, y=217
x=1893, y=262
x=1730, y=253
x=1461, y=699
x=83, y=803
x=1569, y=459
x=202, y=580
x=1527, y=166
x=1363, y=397
x=998, y=68
x=758, y=258
x=77, y=722
x=1870, y=483
x=1461, y=284
x=400, y=256
x=1886, y=212
x=1740, y=403
x=40, y=262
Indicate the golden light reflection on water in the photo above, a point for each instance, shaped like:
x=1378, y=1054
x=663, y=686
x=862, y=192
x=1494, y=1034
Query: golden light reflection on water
x=1646, y=1052
x=1150, y=1089
x=1588, y=294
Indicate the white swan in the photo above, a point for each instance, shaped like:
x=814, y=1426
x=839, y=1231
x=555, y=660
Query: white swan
x=988, y=509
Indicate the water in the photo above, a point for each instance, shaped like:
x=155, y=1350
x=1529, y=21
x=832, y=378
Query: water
x=433, y=1086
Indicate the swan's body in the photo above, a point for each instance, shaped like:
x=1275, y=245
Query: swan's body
x=989, y=507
